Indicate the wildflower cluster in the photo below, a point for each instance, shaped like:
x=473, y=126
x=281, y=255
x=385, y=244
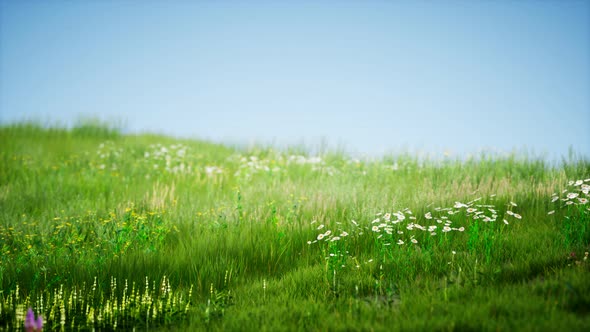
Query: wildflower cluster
x=575, y=224
x=572, y=257
x=403, y=224
x=156, y=158
x=404, y=227
x=108, y=154
x=248, y=166
x=171, y=158
x=363, y=166
x=83, y=307
x=88, y=237
x=577, y=193
x=317, y=163
x=176, y=159
x=212, y=171
x=277, y=163
x=327, y=235
x=219, y=300
x=483, y=212
x=335, y=250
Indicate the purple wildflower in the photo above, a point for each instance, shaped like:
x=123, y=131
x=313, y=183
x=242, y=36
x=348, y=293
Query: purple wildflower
x=32, y=324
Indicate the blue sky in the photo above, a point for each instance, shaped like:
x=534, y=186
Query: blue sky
x=372, y=76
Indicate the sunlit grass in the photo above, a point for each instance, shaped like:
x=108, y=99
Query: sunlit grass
x=103, y=230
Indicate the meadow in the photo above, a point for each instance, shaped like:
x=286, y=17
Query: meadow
x=105, y=231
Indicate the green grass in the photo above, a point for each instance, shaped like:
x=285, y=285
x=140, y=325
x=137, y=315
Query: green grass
x=101, y=230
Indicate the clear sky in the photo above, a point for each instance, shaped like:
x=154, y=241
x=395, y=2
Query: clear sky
x=373, y=76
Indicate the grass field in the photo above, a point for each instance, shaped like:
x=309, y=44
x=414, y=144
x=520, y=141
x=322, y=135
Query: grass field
x=109, y=231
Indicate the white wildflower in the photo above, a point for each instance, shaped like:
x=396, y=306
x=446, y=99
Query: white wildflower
x=400, y=216
x=459, y=205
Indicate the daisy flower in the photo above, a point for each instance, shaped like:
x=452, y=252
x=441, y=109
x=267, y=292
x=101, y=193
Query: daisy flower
x=572, y=195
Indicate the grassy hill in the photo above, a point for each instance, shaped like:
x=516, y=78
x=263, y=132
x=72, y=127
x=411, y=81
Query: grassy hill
x=104, y=230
